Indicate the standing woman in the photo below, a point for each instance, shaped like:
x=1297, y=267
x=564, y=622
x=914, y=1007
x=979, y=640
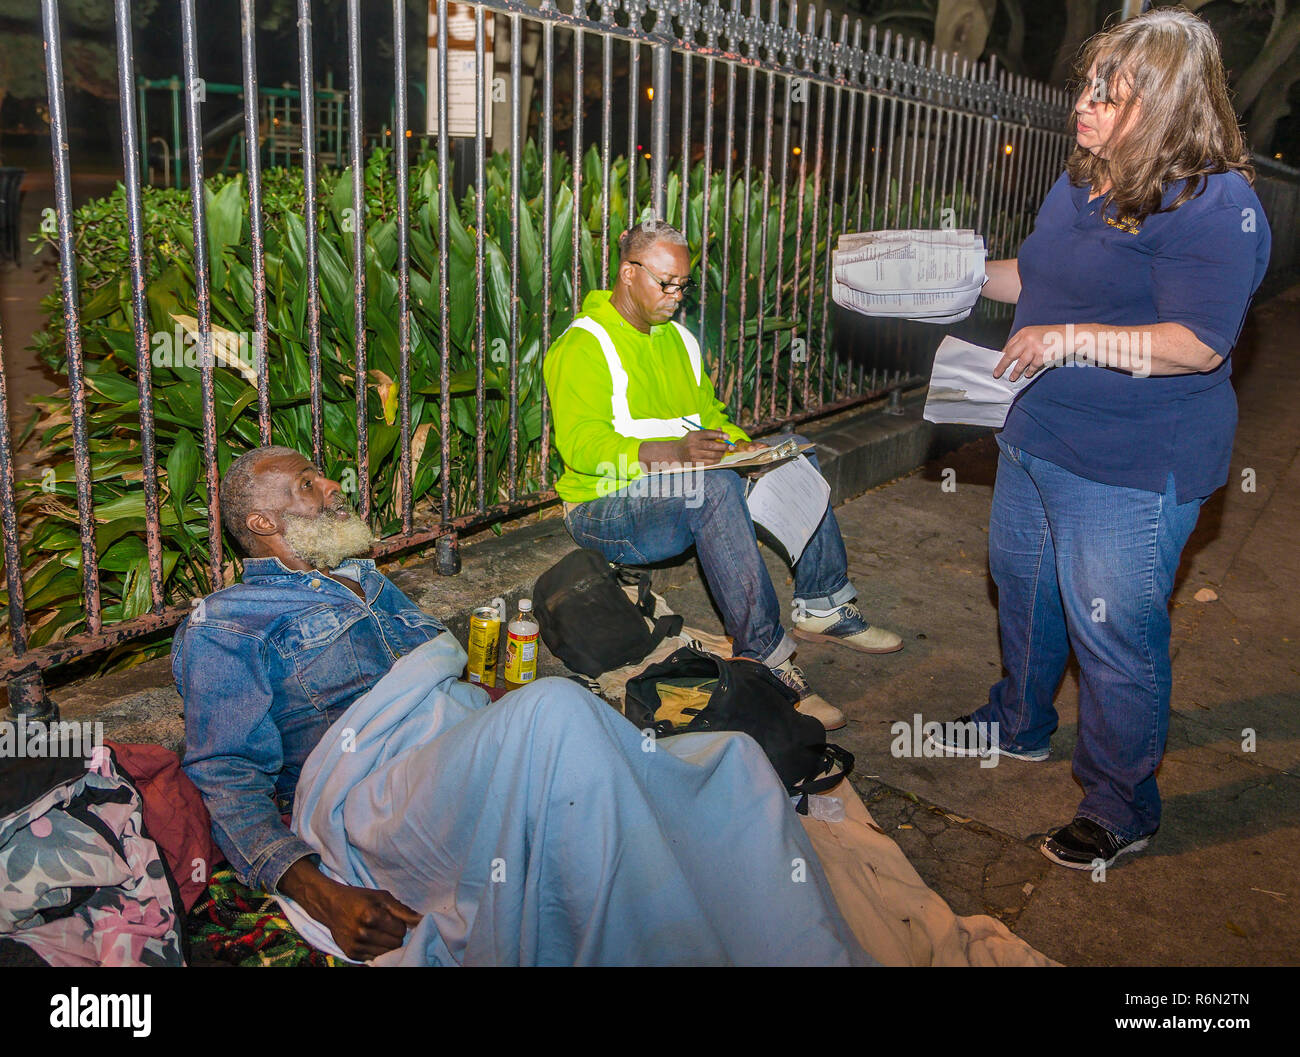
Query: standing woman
x=1129, y=294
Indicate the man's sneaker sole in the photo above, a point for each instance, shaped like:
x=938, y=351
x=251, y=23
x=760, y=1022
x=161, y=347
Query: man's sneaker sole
x=813, y=636
x=1072, y=864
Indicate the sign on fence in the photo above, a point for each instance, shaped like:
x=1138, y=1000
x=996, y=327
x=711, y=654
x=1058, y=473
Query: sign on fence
x=461, y=109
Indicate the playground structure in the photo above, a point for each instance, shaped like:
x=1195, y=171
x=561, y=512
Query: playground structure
x=163, y=158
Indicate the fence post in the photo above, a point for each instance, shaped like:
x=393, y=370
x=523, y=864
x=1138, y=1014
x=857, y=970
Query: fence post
x=448, y=554
x=196, y=94
x=27, y=698
x=69, y=292
x=27, y=695
x=661, y=64
x=131, y=180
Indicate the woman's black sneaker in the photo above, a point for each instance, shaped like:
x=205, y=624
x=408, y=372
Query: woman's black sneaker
x=965, y=737
x=1084, y=845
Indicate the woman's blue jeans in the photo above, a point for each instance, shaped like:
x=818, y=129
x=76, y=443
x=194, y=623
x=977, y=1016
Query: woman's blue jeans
x=659, y=517
x=1090, y=566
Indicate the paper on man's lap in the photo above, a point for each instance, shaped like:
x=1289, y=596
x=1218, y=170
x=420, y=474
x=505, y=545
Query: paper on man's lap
x=790, y=502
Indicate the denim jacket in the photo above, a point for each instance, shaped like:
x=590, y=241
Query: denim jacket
x=265, y=667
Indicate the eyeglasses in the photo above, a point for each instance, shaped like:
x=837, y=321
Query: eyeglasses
x=1097, y=93
x=663, y=284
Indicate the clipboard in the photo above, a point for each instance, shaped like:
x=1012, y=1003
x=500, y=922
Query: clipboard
x=744, y=460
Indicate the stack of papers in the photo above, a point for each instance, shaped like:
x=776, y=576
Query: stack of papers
x=963, y=389
x=931, y=276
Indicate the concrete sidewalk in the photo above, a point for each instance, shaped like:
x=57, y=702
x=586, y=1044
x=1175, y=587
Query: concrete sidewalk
x=1220, y=884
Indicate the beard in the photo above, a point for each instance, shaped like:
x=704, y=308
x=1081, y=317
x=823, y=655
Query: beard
x=324, y=541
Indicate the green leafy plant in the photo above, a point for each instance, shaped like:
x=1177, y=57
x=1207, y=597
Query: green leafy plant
x=50, y=540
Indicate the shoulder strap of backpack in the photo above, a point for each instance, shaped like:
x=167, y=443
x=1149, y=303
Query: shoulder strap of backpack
x=833, y=756
x=664, y=627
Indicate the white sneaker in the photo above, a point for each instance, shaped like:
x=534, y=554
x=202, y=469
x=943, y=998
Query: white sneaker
x=847, y=627
x=810, y=704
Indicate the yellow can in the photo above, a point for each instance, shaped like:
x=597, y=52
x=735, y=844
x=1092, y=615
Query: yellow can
x=484, y=637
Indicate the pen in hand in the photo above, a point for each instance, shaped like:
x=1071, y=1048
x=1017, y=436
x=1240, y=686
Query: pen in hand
x=694, y=428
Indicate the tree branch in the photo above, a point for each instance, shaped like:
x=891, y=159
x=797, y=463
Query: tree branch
x=1016, y=34
x=1279, y=12
x=1080, y=21
x=962, y=26
x=1273, y=104
x=1271, y=57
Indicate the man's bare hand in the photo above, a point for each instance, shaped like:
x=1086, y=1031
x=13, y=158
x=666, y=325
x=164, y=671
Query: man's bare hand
x=364, y=923
x=698, y=446
x=702, y=445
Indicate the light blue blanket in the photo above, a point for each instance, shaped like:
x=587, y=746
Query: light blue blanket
x=546, y=829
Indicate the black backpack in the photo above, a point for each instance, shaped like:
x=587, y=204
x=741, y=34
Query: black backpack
x=743, y=696
x=586, y=619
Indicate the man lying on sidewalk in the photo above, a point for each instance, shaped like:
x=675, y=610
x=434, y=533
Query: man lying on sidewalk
x=542, y=829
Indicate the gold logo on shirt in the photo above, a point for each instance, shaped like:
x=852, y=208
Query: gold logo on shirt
x=1130, y=225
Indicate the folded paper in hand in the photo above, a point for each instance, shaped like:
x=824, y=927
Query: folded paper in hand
x=929, y=276
x=963, y=389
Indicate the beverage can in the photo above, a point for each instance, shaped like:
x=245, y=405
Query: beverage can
x=484, y=637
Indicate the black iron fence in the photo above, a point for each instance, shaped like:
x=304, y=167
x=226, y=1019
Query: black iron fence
x=764, y=133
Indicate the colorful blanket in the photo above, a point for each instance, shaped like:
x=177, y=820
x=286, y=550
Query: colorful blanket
x=235, y=924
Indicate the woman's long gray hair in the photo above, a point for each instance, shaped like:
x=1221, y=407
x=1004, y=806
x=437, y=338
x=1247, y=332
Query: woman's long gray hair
x=1183, y=128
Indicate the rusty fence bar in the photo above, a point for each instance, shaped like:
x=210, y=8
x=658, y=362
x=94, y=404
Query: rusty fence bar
x=256, y=236
x=139, y=309
x=548, y=234
x=401, y=124
x=356, y=139
x=806, y=133
x=71, y=313
x=308, y=117
x=26, y=691
x=202, y=283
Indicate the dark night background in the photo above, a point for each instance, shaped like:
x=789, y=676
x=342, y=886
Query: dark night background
x=90, y=63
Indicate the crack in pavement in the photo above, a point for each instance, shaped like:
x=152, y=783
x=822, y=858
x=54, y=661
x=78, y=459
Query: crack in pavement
x=927, y=823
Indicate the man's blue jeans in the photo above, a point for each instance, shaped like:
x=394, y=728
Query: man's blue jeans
x=656, y=518
x=1090, y=566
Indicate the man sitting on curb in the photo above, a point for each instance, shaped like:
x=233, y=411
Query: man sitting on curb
x=537, y=830
x=628, y=393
